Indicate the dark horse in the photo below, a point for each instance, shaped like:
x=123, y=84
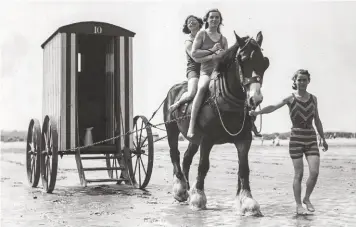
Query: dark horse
x=223, y=118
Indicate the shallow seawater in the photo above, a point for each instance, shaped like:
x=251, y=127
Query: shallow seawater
x=271, y=177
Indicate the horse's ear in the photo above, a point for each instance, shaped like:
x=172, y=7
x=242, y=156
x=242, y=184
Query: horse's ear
x=239, y=41
x=259, y=38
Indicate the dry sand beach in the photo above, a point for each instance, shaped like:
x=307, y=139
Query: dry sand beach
x=120, y=205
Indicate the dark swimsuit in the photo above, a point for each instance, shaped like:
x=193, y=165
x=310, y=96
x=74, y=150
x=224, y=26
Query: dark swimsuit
x=193, y=68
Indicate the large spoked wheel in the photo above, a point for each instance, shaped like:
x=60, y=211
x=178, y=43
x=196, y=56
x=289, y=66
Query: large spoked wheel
x=49, y=154
x=140, y=168
x=33, y=147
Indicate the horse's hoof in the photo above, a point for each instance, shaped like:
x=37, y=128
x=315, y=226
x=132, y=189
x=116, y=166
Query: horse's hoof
x=197, y=199
x=180, y=190
x=250, y=207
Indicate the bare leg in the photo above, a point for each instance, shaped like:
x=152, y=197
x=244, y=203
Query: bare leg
x=313, y=162
x=249, y=206
x=187, y=160
x=202, y=87
x=297, y=184
x=188, y=95
x=197, y=195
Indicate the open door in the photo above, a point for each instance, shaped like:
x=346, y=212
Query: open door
x=95, y=87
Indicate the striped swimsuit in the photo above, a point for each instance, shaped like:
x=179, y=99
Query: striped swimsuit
x=303, y=137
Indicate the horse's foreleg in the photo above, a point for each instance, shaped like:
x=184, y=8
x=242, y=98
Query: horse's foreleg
x=188, y=158
x=197, y=195
x=248, y=205
x=180, y=186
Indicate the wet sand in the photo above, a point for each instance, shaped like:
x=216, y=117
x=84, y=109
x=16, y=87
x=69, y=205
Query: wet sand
x=120, y=205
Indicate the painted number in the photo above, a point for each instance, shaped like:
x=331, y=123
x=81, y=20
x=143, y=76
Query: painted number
x=98, y=30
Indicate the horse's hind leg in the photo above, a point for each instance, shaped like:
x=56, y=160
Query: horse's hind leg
x=180, y=186
x=188, y=158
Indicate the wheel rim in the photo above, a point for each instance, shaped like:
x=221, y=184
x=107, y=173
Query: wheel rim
x=49, y=151
x=32, y=152
x=142, y=152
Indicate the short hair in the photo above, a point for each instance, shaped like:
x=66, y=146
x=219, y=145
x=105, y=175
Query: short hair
x=302, y=72
x=185, y=25
x=205, y=19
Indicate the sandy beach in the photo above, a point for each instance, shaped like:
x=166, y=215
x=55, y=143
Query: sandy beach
x=121, y=205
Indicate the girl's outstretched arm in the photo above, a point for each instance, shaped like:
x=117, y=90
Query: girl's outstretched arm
x=271, y=108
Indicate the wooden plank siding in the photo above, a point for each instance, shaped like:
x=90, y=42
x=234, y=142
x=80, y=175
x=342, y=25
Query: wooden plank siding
x=53, y=90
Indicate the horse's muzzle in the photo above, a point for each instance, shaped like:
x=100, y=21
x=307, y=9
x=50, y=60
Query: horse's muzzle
x=253, y=104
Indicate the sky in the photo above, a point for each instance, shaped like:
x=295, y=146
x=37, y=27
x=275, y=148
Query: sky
x=318, y=36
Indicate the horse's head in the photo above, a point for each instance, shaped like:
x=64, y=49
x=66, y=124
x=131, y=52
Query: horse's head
x=251, y=65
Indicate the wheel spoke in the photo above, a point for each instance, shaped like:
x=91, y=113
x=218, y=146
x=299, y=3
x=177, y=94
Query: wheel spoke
x=141, y=145
x=136, y=133
x=133, y=141
x=49, y=168
x=32, y=169
x=135, y=166
x=141, y=132
x=46, y=167
x=143, y=166
x=139, y=172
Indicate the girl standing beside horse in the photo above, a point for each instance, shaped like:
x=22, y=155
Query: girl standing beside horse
x=303, y=109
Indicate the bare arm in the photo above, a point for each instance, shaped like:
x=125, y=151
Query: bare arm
x=317, y=121
x=319, y=125
x=188, y=48
x=271, y=108
x=226, y=46
x=198, y=42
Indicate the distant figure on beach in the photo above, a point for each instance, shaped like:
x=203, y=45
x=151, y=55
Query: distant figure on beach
x=303, y=109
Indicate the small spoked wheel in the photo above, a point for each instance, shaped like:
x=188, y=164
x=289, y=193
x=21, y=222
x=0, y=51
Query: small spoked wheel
x=33, y=147
x=141, y=154
x=49, y=154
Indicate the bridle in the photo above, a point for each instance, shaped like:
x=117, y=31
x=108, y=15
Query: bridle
x=244, y=83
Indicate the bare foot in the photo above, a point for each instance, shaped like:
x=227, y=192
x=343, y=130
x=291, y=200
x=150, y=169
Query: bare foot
x=173, y=107
x=310, y=206
x=301, y=210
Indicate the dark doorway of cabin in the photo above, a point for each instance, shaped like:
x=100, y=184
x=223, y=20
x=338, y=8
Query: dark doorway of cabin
x=95, y=106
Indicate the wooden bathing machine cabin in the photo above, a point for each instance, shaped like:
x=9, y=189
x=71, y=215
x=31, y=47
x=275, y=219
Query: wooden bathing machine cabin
x=87, y=82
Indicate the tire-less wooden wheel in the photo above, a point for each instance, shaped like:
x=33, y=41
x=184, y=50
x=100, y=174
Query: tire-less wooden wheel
x=140, y=168
x=33, y=147
x=49, y=154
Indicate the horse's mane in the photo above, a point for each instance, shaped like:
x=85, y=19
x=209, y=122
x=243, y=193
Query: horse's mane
x=228, y=58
